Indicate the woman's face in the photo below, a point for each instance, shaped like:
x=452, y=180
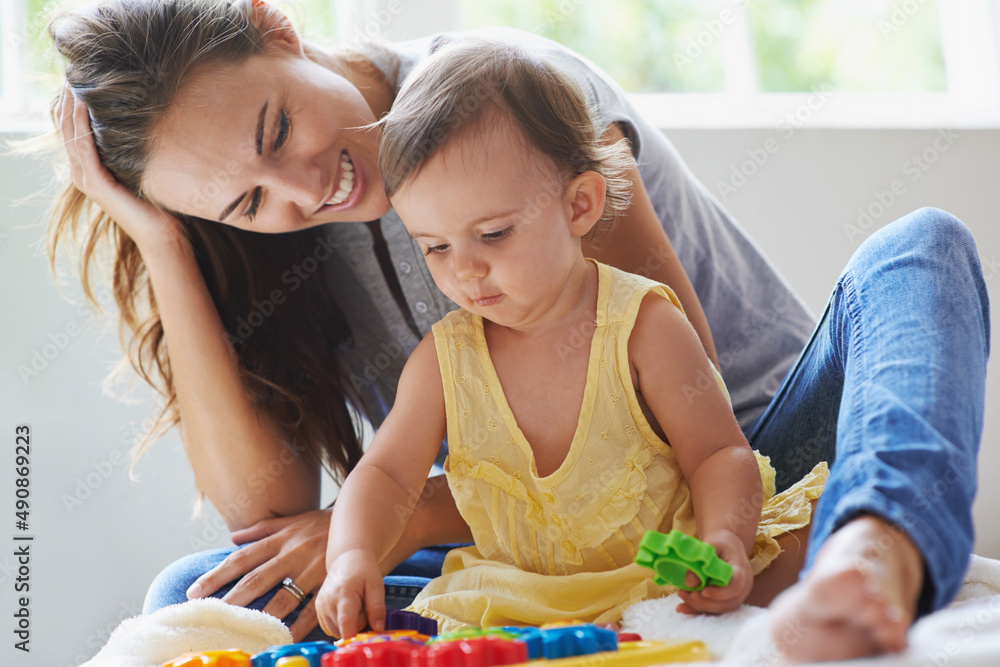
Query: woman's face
x=273, y=144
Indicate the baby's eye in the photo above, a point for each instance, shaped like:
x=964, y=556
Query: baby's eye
x=431, y=249
x=496, y=236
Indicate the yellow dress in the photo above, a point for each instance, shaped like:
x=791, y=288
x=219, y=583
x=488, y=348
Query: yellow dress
x=562, y=546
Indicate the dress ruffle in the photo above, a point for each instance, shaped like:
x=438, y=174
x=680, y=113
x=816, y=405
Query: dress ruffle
x=585, y=530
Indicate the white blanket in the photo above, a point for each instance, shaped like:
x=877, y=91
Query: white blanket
x=965, y=634
x=194, y=626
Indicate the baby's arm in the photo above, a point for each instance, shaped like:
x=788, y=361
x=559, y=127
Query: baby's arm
x=677, y=382
x=379, y=496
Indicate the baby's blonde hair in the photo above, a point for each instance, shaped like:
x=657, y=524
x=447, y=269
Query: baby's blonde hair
x=463, y=84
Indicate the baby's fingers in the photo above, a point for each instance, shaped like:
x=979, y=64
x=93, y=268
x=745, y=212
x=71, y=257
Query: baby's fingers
x=375, y=603
x=721, y=593
x=349, y=616
x=326, y=610
x=710, y=600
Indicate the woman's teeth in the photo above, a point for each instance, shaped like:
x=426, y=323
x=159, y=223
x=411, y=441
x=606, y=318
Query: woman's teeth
x=346, y=181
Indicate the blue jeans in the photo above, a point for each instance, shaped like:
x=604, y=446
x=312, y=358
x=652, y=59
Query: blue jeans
x=890, y=389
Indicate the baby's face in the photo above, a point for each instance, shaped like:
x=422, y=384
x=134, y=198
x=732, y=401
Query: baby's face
x=493, y=218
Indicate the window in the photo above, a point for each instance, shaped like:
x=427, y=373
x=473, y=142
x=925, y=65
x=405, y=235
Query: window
x=29, y=67
x=699, y=63
x=726, y=62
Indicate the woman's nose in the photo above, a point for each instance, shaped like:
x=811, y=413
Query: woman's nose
x=302, y=186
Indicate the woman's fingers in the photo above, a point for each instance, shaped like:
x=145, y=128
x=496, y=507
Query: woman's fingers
x=284, y=601
x=88, y=174
x=261, y=529
x=235, y=565
x=92, y=173
x=305, y=622
x=67, y=130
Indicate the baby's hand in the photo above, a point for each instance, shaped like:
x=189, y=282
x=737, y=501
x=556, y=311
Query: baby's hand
x=352, y=596
x=720, y=599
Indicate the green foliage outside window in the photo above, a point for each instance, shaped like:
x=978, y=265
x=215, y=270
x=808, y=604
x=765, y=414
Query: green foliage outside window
x=799, y=45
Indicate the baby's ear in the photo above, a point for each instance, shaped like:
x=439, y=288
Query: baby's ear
x=272, y=23
x=586, y=194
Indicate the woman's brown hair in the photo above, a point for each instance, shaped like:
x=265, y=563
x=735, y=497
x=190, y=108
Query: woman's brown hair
x=126, y=60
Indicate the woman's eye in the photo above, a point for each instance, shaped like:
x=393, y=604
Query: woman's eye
x=284, y=126
x=496, y=236
x=254, y=205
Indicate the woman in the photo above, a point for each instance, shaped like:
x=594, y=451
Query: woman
x=214, y=122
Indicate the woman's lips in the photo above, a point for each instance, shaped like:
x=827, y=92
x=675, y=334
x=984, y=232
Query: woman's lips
x=357, y=186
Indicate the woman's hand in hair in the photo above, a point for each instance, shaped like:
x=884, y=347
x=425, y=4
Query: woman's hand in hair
x=146, y=224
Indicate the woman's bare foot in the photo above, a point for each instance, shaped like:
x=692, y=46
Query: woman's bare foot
x=858, y=599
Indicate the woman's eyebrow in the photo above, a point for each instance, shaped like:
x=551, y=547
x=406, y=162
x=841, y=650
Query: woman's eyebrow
x=259, y=144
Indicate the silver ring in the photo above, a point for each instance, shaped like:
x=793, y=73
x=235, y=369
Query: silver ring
x=290, y=586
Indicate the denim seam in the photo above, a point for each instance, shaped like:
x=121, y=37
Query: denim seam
x=851, y=295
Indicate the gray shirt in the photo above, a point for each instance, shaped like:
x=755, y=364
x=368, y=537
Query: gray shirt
x=758, y=323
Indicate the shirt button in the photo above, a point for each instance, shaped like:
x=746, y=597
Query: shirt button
x=568, y=547
x=421, y=307
x=405, y=267
x=557, y=521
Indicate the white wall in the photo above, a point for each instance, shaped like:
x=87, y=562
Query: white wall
x=91, y=562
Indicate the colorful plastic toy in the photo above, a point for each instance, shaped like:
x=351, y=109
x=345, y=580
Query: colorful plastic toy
x=560, y=644
x=574, y=640
x=293, y=661
x=229, y=658
x=672, y=555
x=485, y=651
x=310, y=652
x=394, y=653
x=511, y=632
x=400, y=619
x=532, y=637
x=641, y=654
x=399, y=653
x=411, y=636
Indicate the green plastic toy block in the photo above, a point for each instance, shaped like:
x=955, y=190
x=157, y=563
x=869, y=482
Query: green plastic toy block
x=673, y=554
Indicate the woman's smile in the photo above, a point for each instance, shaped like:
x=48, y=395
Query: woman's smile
x=346, y=184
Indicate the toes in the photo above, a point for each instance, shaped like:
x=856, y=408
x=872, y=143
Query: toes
x=823, y=642
x=840, y=615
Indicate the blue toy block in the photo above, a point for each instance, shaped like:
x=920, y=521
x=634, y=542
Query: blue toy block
x=573, y=640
